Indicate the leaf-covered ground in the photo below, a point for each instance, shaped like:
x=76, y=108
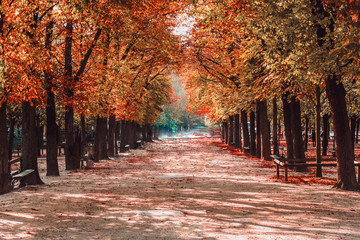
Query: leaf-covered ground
x=178, y=189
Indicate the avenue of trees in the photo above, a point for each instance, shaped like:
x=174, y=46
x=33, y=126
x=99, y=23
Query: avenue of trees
x=258, y=62
x=69, y=64
x=105, y=64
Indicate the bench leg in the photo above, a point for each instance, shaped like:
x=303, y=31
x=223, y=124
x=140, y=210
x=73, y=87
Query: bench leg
x=277, y=171
x=286, y=174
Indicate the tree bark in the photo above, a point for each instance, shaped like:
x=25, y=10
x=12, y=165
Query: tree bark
x=252, y=134
x=52, y=165
x=236, y=131
x=123, y=132
x=111, y=137
x=297, y=133
x=131, y=134
x=265, y=131
x=226, y=133
x=117, y=137
x=275, y=128
x=4, y=156
x=306, y=138
x=223, y=131
x=11, y=137
x=287, y=125
x=29, y=145
x=317, y=131
x=325, y=141
x=357, y=131
x=344, y=152
x=100, y=143
x=231, y=130
x=51, y=135
x=258, y=130
x=353, y=130
x=245, y=130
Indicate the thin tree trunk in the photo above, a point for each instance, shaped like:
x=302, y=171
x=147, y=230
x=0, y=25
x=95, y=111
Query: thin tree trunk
x=117, y=137
x=231, y=130
x=275, y=128
x=123, y=132
x=265, y=131
x=258, y=130
x=245, y=130
x=131, y=134
x=317, y=131
x=29, y=145
x=287, y=125
x=52, y=165
x=100, y=143
x=297, y=133
x=306, y=137
x=252, y=134
x=353, y=130
x=111, y=136
x=4, y=164
x=11, y=137
x=325, y=142
x=357, y=131
x=236, y=131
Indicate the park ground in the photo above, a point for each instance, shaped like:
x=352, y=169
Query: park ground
x=178, y=189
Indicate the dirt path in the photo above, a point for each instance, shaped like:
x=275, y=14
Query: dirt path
x=178, y=189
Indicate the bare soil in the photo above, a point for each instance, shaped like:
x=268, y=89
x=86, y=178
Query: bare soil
x=178, y=189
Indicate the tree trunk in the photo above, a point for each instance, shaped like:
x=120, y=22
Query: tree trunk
x=297, y=133
x=4, y=164
x=223, y=132
x=357, y=131
x=52, y=165
x=258, y=130
x=231, y=130
x=29, y=145
x=252, y=134
x=306, y=137
x=111, y=137
x=100, y=143
x=353, y=129
x=156, y=132
x=317, y=137
x=236, y=131
x=265, y=131
x=287, y=125
x=344, y=152
x=149, y=133
x=11, y=137
x=226, y=133
x=131, y=134
x=325, y=141
x=84, y=143
x=72, y=156
x=245, y=130
x=123, y=132
x=51, y=135
x=275, y=128
x=117, y=137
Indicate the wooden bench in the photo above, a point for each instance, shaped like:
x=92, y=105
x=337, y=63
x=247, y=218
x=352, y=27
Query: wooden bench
x=246, y=149
x=289, y=163
x=138, y=143
x=17, y=175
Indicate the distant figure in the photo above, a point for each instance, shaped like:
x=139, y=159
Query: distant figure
x=313, y=138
